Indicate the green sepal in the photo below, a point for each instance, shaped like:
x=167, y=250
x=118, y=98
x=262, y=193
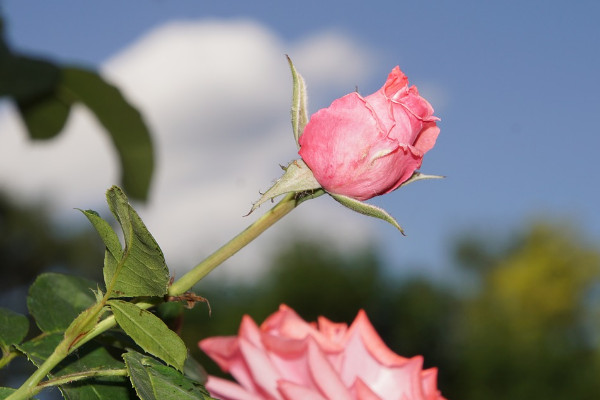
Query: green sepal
x=299, y=108
x=296, y=178
x=83, y=323
x=366, y=209
x=417, y=176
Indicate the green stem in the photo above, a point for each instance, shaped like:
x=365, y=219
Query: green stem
x=78, y=376
x=30, y=386
x=185, y=283
x=7, y=358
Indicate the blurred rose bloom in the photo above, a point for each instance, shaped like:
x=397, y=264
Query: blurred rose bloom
x=289, y=359
x=362, y=147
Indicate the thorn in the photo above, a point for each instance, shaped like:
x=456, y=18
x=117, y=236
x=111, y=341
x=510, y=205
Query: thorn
x=191, y=299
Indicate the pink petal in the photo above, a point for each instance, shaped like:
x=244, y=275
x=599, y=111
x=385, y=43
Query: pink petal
x=250, y=331
x=325, y=377
x=417, y=105
x=264, y=374
x=363, y=392
x=336, y=142
x=372, y=341
x=333, y=331
x=426, y=139
x=429, y=379
x=395, y=382
x=290, y=358
x=395, y=83
x=402, y=163
x=384, y=372
x=223, y=350
x=291, y=391
x=287, y=323
x=227, y=390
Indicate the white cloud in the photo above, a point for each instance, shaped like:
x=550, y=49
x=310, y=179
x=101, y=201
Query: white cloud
x=216, y=95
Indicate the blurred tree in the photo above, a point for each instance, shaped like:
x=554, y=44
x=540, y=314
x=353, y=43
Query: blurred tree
x=30, y=244
x=524, y=333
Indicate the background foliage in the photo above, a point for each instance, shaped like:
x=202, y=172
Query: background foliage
x=522, y=323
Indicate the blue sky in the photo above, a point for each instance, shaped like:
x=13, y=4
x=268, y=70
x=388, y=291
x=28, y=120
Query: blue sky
x=515, y=83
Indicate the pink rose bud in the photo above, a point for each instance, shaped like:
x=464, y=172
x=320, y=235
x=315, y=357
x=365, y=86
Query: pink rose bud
x=287, y=358
x=363, y=147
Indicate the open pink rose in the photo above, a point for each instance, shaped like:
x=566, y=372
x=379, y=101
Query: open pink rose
x=362, y=147
x=289, y=359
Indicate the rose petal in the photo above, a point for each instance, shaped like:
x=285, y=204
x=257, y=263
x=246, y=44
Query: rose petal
x=427, y=137
x=325, y=377
x=222, y=349
x=264, y=373
x=417, y=105
x=372, y=341
x=291, y=391
x=227, y=390
x=333, y=331
x=363, y=392
x=429, y=379
x=337, y=142
x=269, y=365
x=386, y=373
x=250, y=331
x=226, y=353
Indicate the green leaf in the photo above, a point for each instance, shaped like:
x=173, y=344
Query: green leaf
x=5, y=392
x=366, y=209
x=123, y=122
x=40, y=348
x=150, y=333
x=299, y=107
x=44, y=94
x=296, y=178
x=194, y=370
x=141, y=270
x=114, y=252
x=26, y=79
x=13, y=328
x=55, y=300
x=89, y=356
x=46, y=116
x=106, y=232
x=155, y=381
x=34, y=86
